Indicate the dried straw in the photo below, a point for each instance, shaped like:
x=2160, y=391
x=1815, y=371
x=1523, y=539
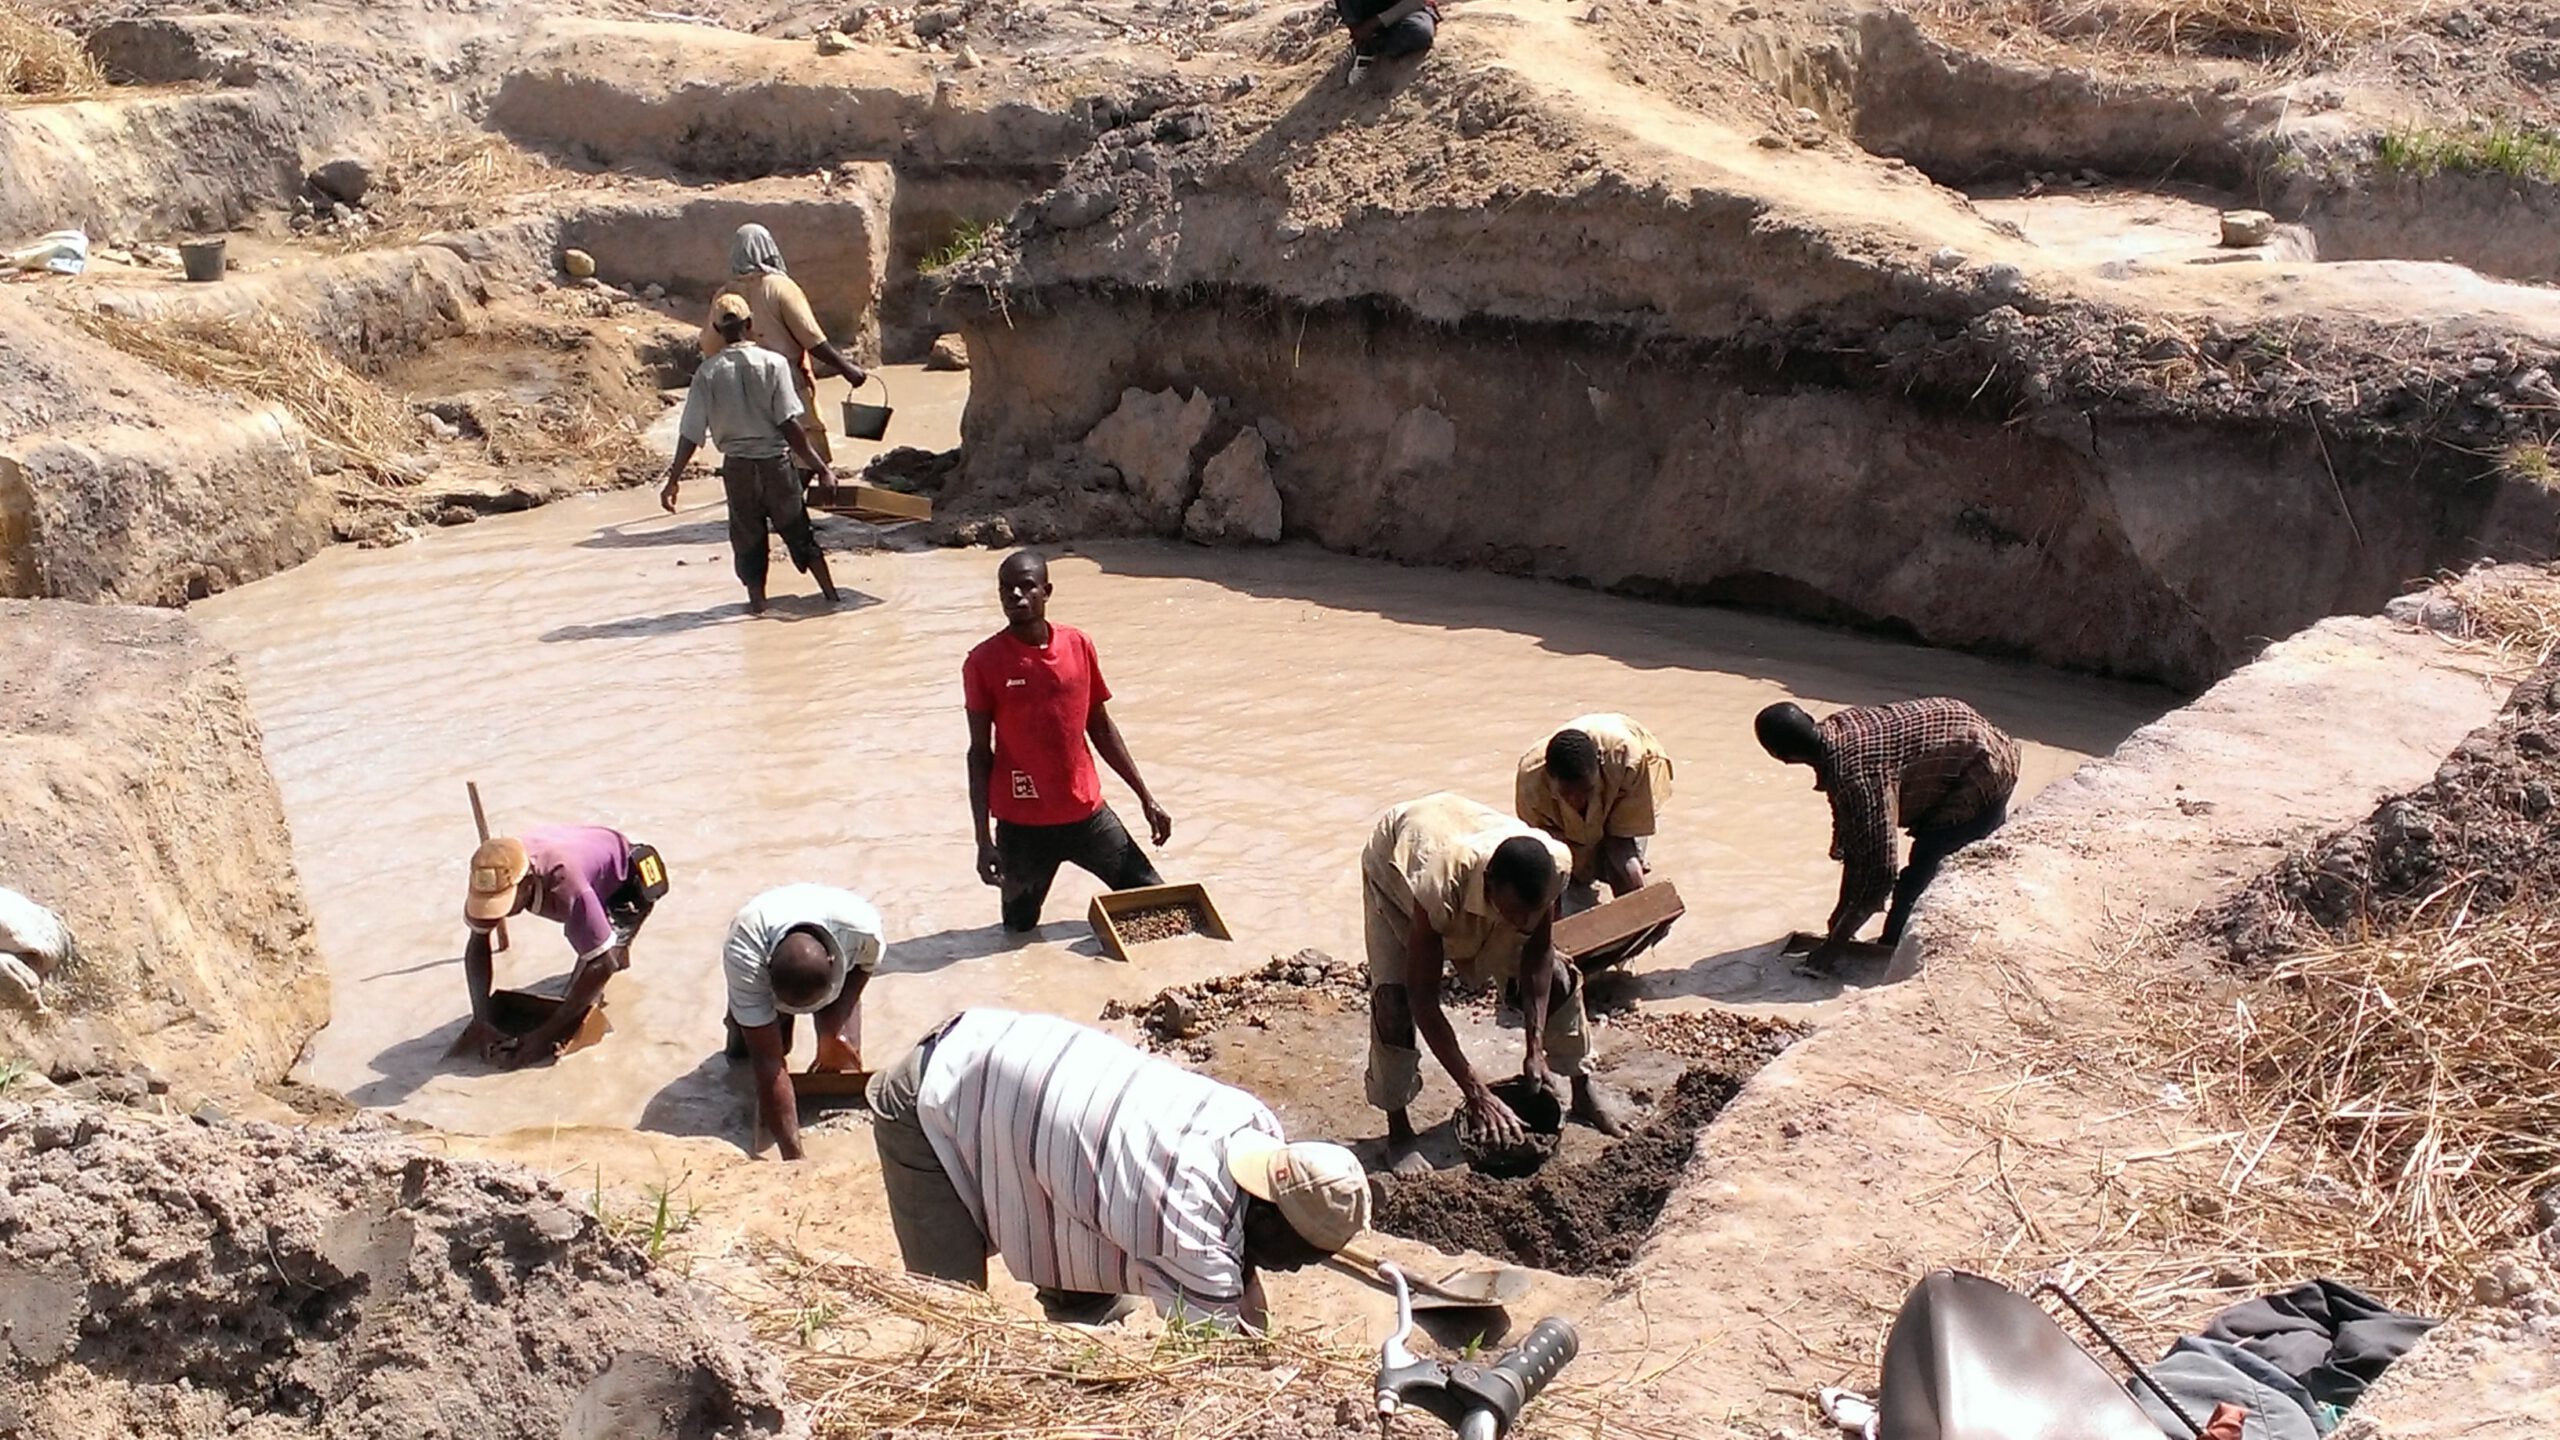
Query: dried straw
x=264, y=359
x=452, y=180
x=2275, y=31
x=38, y=57
x=2513, y=609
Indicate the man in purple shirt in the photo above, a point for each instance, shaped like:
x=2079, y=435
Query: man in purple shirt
x=593, y=883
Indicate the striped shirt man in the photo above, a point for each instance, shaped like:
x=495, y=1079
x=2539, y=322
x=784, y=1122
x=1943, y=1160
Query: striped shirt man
x=1931, y=764
x=1089, y=1165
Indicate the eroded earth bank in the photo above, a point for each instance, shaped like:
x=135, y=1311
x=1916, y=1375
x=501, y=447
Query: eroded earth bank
x=2112, y=375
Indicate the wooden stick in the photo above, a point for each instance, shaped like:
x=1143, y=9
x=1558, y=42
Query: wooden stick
x=480, y=821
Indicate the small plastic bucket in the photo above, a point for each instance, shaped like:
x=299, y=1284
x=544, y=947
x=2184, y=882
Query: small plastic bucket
x=203, y=259
x=868, y=422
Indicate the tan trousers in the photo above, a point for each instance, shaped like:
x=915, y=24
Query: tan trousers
x=1394, y=1077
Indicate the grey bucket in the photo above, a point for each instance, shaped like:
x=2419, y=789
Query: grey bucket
x=868, y=422
x=203, y=259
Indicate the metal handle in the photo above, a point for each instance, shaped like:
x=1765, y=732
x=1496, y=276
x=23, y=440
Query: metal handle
x=1552, y=1344
x=871, y=377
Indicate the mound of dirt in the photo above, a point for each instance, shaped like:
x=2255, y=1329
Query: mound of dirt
x=1539, y=1109
x=171, y=1280
x=2480, y=834
x=1177, y=1017
x=1586, y=1219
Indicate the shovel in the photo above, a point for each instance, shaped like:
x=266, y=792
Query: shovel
x=1464, y=1290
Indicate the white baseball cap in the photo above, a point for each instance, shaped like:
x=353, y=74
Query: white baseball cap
x=1321, y=1190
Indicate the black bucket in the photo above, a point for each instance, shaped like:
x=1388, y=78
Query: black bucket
x=868, y=422
x=204, y=260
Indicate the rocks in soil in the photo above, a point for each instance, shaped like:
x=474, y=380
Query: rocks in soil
x=2244, y=228
x=1238, y=504
x=1073, y=207
x=345, y=179
x=949, y=352
x=833, y=42
x=911, y=471
x=1160, y=922
x=2487, y=826
x=165, y=1277
x=577, y=264
x=1586, y=1219
x=1150, y=439
x=1187, y=1012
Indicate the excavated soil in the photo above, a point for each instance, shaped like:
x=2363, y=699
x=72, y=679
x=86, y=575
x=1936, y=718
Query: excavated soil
x=1585, y=1219
x=2479, y=835
x=172, y=1280
x=1179, y=1016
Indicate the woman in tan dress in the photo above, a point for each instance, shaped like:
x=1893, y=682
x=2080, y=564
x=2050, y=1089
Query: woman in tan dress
x=783, y=322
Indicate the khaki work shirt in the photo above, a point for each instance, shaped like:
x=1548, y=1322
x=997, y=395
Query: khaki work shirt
x=784, y=323
x=1635, y=777
x=1432, y=852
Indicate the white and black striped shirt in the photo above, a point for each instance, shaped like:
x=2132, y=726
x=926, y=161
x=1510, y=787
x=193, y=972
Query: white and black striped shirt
x=1091, y=1165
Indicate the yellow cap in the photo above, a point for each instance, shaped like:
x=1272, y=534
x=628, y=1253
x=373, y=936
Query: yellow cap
x=497, y=868
x=1321, y=1190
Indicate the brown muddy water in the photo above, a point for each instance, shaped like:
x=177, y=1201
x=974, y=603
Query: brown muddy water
x=591, y=662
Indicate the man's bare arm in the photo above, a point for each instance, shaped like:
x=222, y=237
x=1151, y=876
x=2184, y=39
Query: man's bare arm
x=1105, y=734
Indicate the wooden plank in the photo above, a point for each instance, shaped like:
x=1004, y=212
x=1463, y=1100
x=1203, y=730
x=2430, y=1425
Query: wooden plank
x=870, y=502
x=1620, y=920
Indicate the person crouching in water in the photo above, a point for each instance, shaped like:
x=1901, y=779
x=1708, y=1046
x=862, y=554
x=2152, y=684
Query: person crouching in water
x=743, y=400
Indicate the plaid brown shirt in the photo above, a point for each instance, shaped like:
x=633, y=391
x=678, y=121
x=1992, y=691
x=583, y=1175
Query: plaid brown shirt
x=1925, y=764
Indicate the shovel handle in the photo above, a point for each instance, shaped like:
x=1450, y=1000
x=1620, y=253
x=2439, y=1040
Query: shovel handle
x=480, y=822
x=1370, y=1266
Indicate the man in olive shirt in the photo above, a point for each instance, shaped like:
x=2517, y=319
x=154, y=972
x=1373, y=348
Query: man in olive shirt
x=1595, y=785
x=1449, y=885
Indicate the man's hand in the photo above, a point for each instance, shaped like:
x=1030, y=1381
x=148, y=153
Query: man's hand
x=1159, y=823
x=1496, y=1123
x=990, y=863
x=667, y=494
x=834, y=1054
x=825, y=475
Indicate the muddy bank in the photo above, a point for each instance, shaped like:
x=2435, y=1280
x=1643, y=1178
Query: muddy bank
x=2142, y=546
x=1575, y=1219
x=2477, y=837
x=169, y=1280
x=135, y=802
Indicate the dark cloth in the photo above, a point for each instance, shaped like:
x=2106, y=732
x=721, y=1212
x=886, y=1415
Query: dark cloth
x=1098, y=844
x=937, y=1235
x=762, y=493
x=2202, y=1374
x=1925, y=764
x=1410, y=36
x=2335, y=1339
x=1929, y=850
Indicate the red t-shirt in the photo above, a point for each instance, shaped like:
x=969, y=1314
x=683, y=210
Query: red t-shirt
x=1041, y=698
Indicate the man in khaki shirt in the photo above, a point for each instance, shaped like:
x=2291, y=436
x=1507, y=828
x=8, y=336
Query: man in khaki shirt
x=1448, y=885
x=1594, y=785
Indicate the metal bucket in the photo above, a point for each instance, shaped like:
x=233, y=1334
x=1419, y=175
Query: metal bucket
x=203, y=258
x=868, y=422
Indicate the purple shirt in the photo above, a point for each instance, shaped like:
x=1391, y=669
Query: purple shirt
x=580, y=866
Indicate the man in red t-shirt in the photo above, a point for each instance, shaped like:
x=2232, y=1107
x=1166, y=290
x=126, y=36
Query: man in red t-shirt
x=1035, y=695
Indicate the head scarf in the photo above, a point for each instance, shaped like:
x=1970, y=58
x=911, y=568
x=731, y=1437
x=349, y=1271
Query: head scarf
x=752, y=251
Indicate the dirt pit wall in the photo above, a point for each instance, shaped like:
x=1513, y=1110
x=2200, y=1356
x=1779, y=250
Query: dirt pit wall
x=170, y=1280
x=135, y=803
x=2143, y=548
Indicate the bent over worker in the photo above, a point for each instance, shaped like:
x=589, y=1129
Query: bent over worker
x=1595, y=785
x=594, y=883
x=1099, y=1171
x=783, y=320
x=798, y=950
x=1935, y=766
x=1038, y=710
x=741, y=399
x=1451, y=886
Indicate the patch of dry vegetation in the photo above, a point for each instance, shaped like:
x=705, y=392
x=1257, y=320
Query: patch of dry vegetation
x=40, y=58
x=2290, y=33
x=453, y=180
x=350, y=417
x=2512, y=609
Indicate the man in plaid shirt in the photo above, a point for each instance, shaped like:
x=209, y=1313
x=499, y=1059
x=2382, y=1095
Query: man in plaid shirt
x=1934, y=766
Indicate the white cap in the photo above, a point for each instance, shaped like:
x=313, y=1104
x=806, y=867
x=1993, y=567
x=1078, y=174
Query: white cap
x=1321, y=1190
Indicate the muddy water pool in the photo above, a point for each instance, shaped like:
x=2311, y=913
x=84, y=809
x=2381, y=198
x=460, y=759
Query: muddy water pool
x=591, y=662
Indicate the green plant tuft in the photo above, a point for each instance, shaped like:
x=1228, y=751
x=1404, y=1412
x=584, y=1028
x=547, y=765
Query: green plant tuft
x=963, y=243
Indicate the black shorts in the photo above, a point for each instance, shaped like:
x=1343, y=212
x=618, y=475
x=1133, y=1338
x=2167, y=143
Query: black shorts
x=1099, y=845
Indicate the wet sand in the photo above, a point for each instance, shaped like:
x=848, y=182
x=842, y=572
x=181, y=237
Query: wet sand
x=591, y=662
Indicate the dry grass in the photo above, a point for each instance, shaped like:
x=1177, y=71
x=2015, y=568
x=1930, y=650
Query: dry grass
x=452, y=181
x=2278, y=32
x=38, y=57
x=343, y=413
x=2512, y=609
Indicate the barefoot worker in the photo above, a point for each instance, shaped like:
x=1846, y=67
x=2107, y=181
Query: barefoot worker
x=1451, y=886
x=1594, y=785
x=798, y=950
x=784, y=322
x=593, y=883
x=742, y=401
x=1935, y=766
x=1099, y=1171
x=1035, y=696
